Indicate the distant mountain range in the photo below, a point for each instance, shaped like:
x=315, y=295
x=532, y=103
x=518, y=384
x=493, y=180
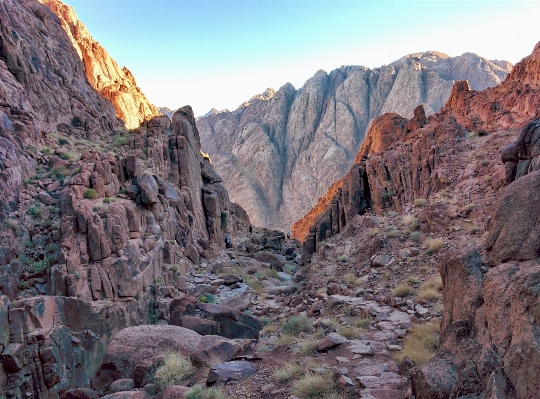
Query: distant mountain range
x=280, y=151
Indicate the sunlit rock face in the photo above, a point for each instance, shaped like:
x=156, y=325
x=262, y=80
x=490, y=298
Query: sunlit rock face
x=281, y=151
x=103, y=73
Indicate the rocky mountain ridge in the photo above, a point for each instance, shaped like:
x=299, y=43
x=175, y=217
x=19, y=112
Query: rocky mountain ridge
x=432, y=173
x=116, y=84
x=279, y=153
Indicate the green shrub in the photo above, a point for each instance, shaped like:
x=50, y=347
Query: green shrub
x=91, y=194
x=198, y=392
x=349, y=278
x=106, y=200
x=60, y=173
x=34, y=210
x=415, y=236
x=63, y=141
x=174, y=370
x=47, y=151
x=120, y=141
x=296, y=325
x=65, y=156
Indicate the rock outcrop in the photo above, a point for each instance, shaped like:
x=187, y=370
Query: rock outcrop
x=281, y=151
x=116, y=84
x=512, y=104
x=43, y=87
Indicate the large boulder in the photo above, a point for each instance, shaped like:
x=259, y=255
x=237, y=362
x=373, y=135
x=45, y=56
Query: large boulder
x=139, y=346
x=233, y=324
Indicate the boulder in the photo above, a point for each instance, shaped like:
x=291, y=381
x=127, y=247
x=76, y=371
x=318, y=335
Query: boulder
x=433, y=380
x=200, y=326
x=213, y=350
x=80, y=393
x=330, y=341
x=230, y=371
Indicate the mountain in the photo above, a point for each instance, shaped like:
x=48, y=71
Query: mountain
x=103, y=73
x=166, y=111
x=281, y=151
x=455, y=192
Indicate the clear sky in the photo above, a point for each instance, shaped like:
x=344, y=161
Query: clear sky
x=219, y=53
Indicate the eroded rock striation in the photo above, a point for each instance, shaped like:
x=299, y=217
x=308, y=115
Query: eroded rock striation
x=281, y=151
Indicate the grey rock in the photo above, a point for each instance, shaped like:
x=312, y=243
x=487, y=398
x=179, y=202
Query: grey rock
x=231, y=371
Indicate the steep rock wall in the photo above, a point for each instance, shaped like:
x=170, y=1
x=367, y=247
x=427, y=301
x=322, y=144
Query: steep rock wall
x=116, y=84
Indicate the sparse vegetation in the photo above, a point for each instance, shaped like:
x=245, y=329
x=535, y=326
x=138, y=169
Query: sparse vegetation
x=413, y=280
x=120, y=141
x=174, y=370
x=91, y=194
x=415, y=236
x=342, y=258
x=296, y=325
x=65, y=156
x=63, y=142
x=411, y=222
x=467, y=209
x=349, y=278
x=34, y=210
x=474, y=230
x=419, y=202
x=207, y=298
x=314, y=386
x=307, y=346
x=350, y=332
x=403, y=289
x=362, y=323
x=198, y=392
x=12, y=224
x=431, y=289
x=289, y=372
x=433, y=244
x=421, y=343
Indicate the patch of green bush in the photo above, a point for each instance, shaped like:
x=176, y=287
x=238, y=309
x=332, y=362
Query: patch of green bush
x=91, y=194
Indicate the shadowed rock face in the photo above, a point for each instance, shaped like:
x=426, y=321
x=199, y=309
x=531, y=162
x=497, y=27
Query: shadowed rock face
x=103, y=73
x=281, y=151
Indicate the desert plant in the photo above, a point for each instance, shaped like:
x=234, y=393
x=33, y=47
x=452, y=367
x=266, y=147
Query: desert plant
x=415, y=236
x=63, y=141
x=467, y=208
x=307, y=346
x=34, y=210
x=174, y=370
x=288, y=372
x=411, y=222
x=402, y=290
x=474, y=230
x=413, y=280
x=433, y=244
x=223, y=219
x=349, y=332
x=362, y=323
x=91, y=194
x=421, y=343
x=65, y=156
x=313, y=386
x=349, y=278
x=207, y=298
x=296, y=325
x=198, y=392
x=12, y=224
x=285, y=339
x=120, y=141
x=420, y=202
x=106, y=200
x=60, y=173
x=342, y=258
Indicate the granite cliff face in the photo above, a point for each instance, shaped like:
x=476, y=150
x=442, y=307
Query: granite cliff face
x=281, y=151
x=103, y=73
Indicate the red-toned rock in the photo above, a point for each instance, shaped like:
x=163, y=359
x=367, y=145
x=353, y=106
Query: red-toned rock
x=175, y=392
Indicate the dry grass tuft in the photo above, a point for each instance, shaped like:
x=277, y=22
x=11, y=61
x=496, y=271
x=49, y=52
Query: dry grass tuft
x=349, y=278
x=289, y=372
x=174, y=370
x=433, y=244
x=420, y=202
x=307, y=346
x=403, y=289
x=314, y=386
x=411, y=222
x=421, y=343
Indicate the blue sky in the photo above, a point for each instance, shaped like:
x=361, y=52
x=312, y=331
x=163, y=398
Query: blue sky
x=219, y=53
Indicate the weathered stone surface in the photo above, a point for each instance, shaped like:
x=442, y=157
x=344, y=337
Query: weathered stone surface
x=175, y=392
x=433, y=380
x=230, y=371
x=330, y=341
x=80, y=393
x=213, y=350
x=199, y=325
x=233, y=324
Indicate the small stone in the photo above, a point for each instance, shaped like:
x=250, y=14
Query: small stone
x=330, y=341
x=344, y=383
